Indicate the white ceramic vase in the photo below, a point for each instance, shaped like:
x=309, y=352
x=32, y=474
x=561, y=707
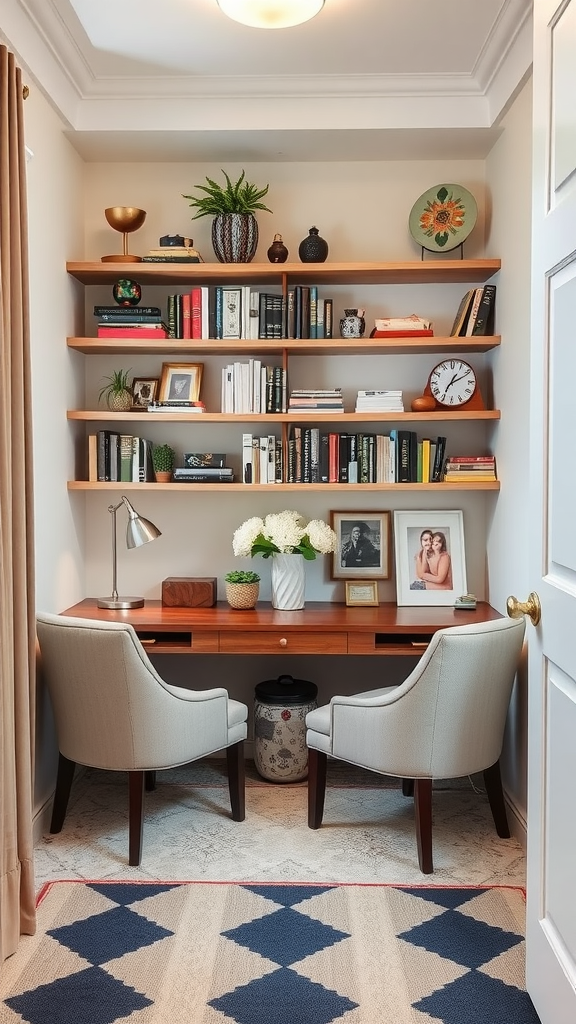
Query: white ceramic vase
x=288, y=582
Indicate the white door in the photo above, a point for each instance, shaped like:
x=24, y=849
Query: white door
x=551, y=882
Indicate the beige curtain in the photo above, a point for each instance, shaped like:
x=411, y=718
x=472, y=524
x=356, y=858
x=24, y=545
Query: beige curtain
x=17, y=620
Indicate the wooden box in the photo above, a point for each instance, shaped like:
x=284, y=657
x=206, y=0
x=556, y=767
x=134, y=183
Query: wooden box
x=189, y=591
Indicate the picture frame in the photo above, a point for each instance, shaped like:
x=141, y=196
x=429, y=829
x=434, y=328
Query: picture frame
x=419, y=559
x=362, y=593
x=144, y=391
x=180, y=382
x=363, y=545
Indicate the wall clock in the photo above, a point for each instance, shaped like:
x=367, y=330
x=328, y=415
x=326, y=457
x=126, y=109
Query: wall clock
x=453, y=385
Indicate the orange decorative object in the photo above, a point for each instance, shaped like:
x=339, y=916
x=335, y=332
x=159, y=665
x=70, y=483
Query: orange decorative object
x=425, y=403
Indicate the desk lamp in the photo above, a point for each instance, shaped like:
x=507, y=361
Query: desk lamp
x=139, y=531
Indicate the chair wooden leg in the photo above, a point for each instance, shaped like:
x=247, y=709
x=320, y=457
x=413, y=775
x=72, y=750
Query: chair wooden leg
x=62, y=792
x=493, y=783
x=407, y=787
x=317, y=762
x=150, y=781
x=423, y=811
x=135, y=817
x=237, y=780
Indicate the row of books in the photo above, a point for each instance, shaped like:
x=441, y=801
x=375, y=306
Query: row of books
x=315, y=456
x=466, y=468
x=253, y=388
x=119, y=457
x=476, y=313
x=262, y=459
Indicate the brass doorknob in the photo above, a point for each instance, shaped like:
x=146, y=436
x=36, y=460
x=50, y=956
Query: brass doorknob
x=531, y=607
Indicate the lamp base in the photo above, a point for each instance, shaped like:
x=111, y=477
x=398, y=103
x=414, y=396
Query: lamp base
x=120, y=602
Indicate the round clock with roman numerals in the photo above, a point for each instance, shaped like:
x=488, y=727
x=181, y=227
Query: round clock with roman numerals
x=452, y=383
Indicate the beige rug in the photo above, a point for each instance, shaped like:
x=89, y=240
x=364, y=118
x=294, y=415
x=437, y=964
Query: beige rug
x=211, y=953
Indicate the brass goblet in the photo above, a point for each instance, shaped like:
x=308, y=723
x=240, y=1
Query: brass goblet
x=124, y=219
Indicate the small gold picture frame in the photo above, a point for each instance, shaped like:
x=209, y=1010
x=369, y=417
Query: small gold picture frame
x=362, y=593
x=180, y=382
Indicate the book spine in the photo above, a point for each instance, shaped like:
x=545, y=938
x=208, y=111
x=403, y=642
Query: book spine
x=403, y=463
x=114, y=443
x=195, y=299
x=315, y=455
x=262, y=315
x=247, y=475
x=205, y=312
x=485, y=318
x=171, y=316
x=178, y=315
x=324, y=459
x=132, y=332
x=279, y=462
x=120, y=312
x=313, y=311
x=186, y=316
x=474, y=311
x=439, y=459
x=218, y=312
x=343, y=459
x=328, y=317
x=92, y=458
x=333, y=457
x=126, y=458
x=306, y=456
x=352, y=458
x=103, y=455
x=231, y=312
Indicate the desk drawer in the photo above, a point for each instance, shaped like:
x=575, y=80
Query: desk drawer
x=196, y=641
x=388, y=643
x=277, y=642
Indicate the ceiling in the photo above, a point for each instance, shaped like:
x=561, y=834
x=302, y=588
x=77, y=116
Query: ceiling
x=364, y=79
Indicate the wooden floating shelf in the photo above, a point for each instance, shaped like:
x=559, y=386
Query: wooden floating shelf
x=429, y=271
x=328, y=346
x=85, y=485
x=108, y=416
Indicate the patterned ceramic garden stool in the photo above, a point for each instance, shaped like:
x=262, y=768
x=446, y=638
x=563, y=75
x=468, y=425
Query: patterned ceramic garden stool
x=280, y=709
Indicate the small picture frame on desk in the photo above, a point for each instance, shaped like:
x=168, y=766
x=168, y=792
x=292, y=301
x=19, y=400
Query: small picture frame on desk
x=180, y=382
x=363, y=545
x=362, y=593
x=430, y=557
x=144, y=390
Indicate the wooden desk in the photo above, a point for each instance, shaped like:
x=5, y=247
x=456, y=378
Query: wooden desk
x=320, y=628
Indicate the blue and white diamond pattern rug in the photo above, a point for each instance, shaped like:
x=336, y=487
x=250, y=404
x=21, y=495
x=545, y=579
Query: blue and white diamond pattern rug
x=211, y=953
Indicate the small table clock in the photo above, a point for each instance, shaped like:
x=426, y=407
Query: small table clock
x=452, y=385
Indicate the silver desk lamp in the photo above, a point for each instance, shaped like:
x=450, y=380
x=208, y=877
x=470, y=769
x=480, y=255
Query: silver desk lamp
x=139, y=531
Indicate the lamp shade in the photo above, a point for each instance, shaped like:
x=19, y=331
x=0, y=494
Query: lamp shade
x=271, y=13
x=140, y=531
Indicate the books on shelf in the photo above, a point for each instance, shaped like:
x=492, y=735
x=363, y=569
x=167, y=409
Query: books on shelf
x=176, y=406
x=316, y=400
x=467, y=468
x=134, y=314
x=203, y=474
x=484, y=324
x=475, y=313
x=120, y=457
x=402, y=326
x=379, y=401
x=262, y=459
x=135, y=330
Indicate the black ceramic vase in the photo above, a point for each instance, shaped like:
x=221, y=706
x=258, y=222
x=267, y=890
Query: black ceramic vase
x=277, y=253
x=313, y=249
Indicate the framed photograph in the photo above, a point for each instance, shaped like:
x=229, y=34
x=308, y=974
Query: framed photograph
x=144, y=391
x=430, y=557
x=363, y=548
x=180, y=382
x=361, y=593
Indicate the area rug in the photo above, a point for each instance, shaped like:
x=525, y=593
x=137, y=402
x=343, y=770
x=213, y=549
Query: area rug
x=215, y=953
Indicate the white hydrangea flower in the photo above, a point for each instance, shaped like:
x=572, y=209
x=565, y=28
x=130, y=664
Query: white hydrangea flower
x=322, y=537
x=284, y=529
x=245, y=536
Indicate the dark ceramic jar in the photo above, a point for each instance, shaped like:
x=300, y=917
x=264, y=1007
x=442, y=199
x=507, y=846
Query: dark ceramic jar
x=277, y=253
x=313, y=249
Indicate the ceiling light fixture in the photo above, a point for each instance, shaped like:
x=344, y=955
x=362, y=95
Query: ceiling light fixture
x=271, y=13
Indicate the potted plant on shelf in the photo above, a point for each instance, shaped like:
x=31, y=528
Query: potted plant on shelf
x=242, y=588
x=117, y=391
x=163, y=461
x=234, y=228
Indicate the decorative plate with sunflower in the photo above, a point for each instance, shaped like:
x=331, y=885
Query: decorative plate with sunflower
x=443, y=217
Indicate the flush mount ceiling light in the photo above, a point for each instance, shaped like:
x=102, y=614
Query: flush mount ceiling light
x=271, y=13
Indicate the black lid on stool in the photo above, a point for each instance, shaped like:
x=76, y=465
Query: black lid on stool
x=286, y=690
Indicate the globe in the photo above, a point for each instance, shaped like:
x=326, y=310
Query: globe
x=126, y=292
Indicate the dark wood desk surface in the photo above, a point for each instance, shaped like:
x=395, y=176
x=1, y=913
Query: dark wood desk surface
x=321, y=627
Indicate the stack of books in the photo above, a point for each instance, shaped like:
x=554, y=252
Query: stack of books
x=173, y=254
x=467, y=468
x=316, y=400
x=176, y=405
x=203, y=475
x=402, y=327
x=379, y=401
x=130, y=322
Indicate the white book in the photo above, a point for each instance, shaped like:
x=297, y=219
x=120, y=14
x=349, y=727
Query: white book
x=247, y=475
x=245, y=388
x=205, y=293
x=263, y=446
x=254, y=316
x=474, y=311
x=231, y=312
x=271, y=458
x=246, y=311
x=237, y=385
x=255, y=459
x=256, y=385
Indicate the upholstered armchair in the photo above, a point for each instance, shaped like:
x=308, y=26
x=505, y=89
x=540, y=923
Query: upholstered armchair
x=446, y=720
x=112, y=710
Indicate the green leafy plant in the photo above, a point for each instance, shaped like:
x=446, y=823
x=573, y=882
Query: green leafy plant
x=241, y=576
x=163, y=458
x=117, y=387
x=237, y=197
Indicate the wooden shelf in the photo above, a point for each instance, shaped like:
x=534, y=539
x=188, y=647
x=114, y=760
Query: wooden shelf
x=85, y=485
x=432, y=270
x=331, y=346
x=108, y=416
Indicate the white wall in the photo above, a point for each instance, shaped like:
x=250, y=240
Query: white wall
x=508, y=169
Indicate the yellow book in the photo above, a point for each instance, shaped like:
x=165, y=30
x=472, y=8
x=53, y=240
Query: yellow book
x=425, y=460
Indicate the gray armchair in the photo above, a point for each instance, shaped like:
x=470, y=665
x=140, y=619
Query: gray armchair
x=446, y=720
x=112, y=710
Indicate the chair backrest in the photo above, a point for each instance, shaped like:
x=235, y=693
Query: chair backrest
x=111, y=708
x=447, y=718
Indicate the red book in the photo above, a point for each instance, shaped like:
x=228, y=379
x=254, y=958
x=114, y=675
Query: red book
x=132, y=332
x=196, y=299
x=472, y=458
x=401, y=334
x=186, y=316
x=333, y=458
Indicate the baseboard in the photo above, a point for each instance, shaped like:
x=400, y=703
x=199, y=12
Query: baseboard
x=517, y=821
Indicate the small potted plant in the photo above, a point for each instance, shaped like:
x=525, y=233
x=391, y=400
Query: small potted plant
x=163, y=461
x=242, y=588
x=117, y=391
x=234, y=228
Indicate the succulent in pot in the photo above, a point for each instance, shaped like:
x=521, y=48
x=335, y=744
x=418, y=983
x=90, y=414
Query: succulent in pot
x=234, y=228
x=163, y=461
x=242, y=588
x=117, y=391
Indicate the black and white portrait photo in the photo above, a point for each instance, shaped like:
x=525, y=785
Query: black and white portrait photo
x=363, y=545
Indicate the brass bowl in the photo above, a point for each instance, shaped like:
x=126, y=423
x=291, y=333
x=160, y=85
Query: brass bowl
x=125, y=219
